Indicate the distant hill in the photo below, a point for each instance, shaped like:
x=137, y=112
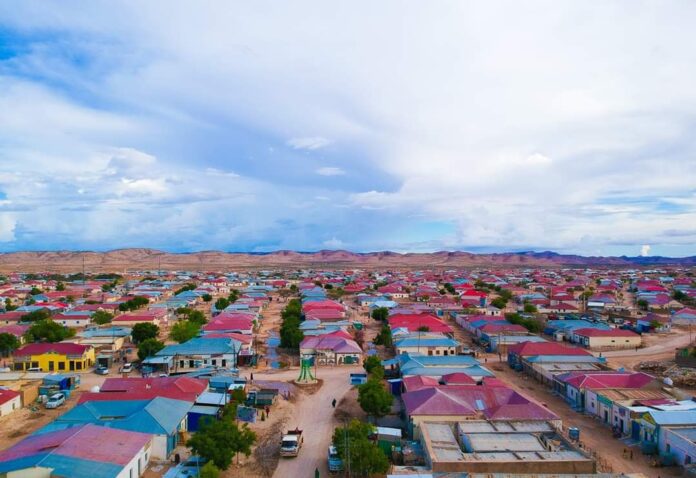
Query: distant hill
x=122, y=259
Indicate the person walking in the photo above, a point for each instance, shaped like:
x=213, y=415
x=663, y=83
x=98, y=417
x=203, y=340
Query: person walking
x=333, y=403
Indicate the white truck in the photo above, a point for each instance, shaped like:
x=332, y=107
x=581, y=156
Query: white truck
x=291, y=443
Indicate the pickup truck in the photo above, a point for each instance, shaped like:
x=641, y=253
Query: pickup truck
x=335, y=462
x=291, y=443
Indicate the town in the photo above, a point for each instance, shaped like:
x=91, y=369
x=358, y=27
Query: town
x=301, y=372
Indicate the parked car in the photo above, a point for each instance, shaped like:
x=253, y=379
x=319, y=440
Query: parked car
x=34, y=369
x=101, y=370
x=335, y=462
x=55, y=400
x=127, y=368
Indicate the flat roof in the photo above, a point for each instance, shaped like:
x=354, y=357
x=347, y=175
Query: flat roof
x=513, y=442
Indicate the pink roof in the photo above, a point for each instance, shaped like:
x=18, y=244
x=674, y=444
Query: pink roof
x=13, y=316
x=416, y=382
x=14, y=329
x=90, y=442
x=63, y=348
x=495, y=403
x=457, y=378
x=413, y=322
x=527, y=349
x=590, y=332
x=495, y=328
x=333, y=342
x=601, y=380
x=227, y=322
x=7, y=395
x=323, y=304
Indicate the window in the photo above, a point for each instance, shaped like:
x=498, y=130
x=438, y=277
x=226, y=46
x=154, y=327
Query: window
x=78, y=365
x=214, y=362
x=181, y=364
x=61, y=365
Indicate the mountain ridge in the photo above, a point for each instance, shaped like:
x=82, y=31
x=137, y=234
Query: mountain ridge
x=146, y=258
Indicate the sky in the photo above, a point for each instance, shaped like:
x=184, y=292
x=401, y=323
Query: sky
x=395, y=125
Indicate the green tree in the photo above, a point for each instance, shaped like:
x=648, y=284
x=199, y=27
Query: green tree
x=679, y=295
x=530, y=308
x=384, y=337
x=222, y=303
x=290, y=334
x=197, y=317
x=148, y=348
x=374, y=399
x=373, y=363
x=35, y=291
x=8, y=344
x=47, y=331
x=185, y=288
x=499, y=303
x=234, y=296
x=380, y=313
x=643, y=304
x=133, y=304
x=423, y=328
x=353, y=443
x=144, y=331
x=207, y=297
x=184, y=331
x=220, y=440
x=102, y=317
x=36, y=315
x=450, y=288
x=60, y=287
x=9, y=306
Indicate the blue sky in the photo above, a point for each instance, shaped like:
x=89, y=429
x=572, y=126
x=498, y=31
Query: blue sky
x=410, y=126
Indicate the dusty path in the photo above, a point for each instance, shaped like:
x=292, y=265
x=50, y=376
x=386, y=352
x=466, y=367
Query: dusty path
x=314, y=415
x=679, y=338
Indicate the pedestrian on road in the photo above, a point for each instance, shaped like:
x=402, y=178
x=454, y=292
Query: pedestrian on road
x=252, y=376
x=333, y=403
x=268, y=411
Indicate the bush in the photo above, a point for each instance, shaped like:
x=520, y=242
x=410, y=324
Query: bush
x=47, y=331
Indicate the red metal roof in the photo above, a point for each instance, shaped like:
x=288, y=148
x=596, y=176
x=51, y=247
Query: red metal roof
x=590, y=332
x=64, y=348
x=527, y=349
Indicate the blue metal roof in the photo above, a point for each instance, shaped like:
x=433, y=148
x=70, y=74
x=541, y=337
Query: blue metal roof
x=202, y=346
x=62, y=465
x=159, y=416
x=426, y=342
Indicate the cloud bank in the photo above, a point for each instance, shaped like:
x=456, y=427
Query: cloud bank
x=257, y=126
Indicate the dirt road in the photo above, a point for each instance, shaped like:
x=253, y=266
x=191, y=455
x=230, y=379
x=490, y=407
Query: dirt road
x=315, y=416
x=678, y=338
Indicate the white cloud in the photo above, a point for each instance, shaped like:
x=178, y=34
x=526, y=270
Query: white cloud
x=7, y=227
x=309, y=143
x=334, y=243
x=330, y=171
x=645, y=250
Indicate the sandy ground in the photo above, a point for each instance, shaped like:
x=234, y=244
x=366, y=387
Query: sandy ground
x=658, y=347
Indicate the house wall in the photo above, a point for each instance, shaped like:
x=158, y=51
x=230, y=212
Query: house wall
x=434, y=350
x=591, y=402
x=683, y=450
x=613, y=342
x=33, y=472
x=159, y=447
x=10, y=406
x=136, y=467
x=77, y=322
x=56, y=362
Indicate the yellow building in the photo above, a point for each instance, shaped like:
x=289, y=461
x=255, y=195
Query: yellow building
x=60, y=357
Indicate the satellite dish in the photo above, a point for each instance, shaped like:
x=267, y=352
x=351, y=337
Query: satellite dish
x=94, y=389
x=668, y=381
